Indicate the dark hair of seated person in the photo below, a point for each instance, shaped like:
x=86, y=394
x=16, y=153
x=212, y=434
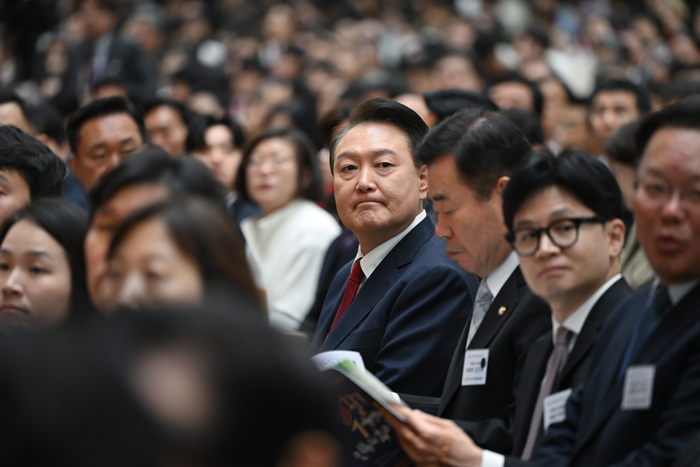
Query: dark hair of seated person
x=577, y=172
x=66, y=223
x=36, y=163
x=103, y=394
x=182, y=176
x=204, y=234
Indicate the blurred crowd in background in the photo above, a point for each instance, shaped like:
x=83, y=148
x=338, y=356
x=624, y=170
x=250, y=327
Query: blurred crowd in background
x=194, y=140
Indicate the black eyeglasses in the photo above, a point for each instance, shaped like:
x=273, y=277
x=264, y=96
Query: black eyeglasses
x=563, y=233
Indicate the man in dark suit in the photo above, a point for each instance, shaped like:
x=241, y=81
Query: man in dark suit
x=575, y=268
x=103, y=54
x=639, y=406
x=470, y=157
x=412, y=300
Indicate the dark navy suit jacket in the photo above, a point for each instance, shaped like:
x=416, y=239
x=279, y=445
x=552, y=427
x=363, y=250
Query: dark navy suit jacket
x=406, y=319
x=597, y=432
x=574, y=372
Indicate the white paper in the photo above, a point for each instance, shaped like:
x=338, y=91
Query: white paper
x=555, y=408
x=326, y=360
x=476, y=364
x=638, y=389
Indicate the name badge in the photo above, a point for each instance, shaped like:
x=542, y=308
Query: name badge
x=476, y=363
x=555, y=408
x=638, y=389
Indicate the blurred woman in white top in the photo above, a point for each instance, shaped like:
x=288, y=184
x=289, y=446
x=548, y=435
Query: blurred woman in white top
x=286, y=244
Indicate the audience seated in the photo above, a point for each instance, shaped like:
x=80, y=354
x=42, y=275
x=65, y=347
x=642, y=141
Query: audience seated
x=639, y=404
x=176, y=254
x=166, y=123
x=622, y=156
x=289, y=239
x=412, y=301
x=42, y=265
x=151, y=177
x=28, y=171
x=470, y=158
x=102, y=135
x=218, y=143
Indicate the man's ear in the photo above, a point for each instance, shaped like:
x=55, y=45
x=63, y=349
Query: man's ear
x=501, y=185
x=423, y=181
x=616, y=234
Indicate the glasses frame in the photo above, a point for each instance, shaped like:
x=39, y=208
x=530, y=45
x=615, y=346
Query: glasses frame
x=510, y=236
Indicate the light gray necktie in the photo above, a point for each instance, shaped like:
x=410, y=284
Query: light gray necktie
x=481, y=305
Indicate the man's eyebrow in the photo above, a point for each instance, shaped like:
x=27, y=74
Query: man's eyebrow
x=3, y=178
x=375, y=153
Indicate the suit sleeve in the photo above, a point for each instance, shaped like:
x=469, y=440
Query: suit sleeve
x=558, y=446
x=422, y=331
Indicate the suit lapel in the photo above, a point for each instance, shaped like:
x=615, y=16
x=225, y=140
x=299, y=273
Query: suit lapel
x=594, y=322
x=507, y=297
x=499, y=312
x=376, y=286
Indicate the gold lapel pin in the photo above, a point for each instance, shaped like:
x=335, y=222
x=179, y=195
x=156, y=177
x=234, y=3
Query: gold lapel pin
x=501, y=311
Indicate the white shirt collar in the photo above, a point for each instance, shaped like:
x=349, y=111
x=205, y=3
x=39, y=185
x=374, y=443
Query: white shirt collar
x=500, y=275
x=370, y=261
x=577, y=319
x=678, y=291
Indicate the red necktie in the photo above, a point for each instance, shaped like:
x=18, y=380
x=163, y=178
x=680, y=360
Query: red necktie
x=351, y=287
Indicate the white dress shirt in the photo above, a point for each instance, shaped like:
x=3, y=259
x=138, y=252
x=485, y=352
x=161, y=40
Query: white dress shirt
x=371, y=261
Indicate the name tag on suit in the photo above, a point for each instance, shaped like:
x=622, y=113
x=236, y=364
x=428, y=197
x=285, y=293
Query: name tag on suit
x=638, y=389
x=476, y=364
x=555, y=408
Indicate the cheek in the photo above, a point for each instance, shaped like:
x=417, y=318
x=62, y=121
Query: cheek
x=49, y=296
x=96, y=246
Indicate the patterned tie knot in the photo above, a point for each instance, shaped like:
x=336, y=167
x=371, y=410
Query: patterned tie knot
x=356, y=275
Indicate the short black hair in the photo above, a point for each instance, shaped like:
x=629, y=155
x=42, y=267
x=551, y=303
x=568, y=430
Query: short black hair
x=182, y=110
x=641, y=95
x=446, y=102
x=681, y=114
x=577, y=172
x=382, y=110
x=182, y=176
x=48, y=121
x=527, y=123
x=67, y=223
x=199, y=126
x=486, y=146
x=620, y=147
x=36, y=163
x=513, y=77
x=99, y=108
x=9, y=96
x=310, y=188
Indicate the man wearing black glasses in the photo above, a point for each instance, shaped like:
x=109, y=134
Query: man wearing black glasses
x=568, y=235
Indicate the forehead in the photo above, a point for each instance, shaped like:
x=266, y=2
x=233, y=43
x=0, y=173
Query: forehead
x=218, y=134
x=133, y=197
x=367, y=138
x=106, y=128
x=163, y=113
x=274, y=145
x=26, y=235
x=13, y=178
x=673, y=149
x=550, y=202
x=615, y=97
x=444, y=179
